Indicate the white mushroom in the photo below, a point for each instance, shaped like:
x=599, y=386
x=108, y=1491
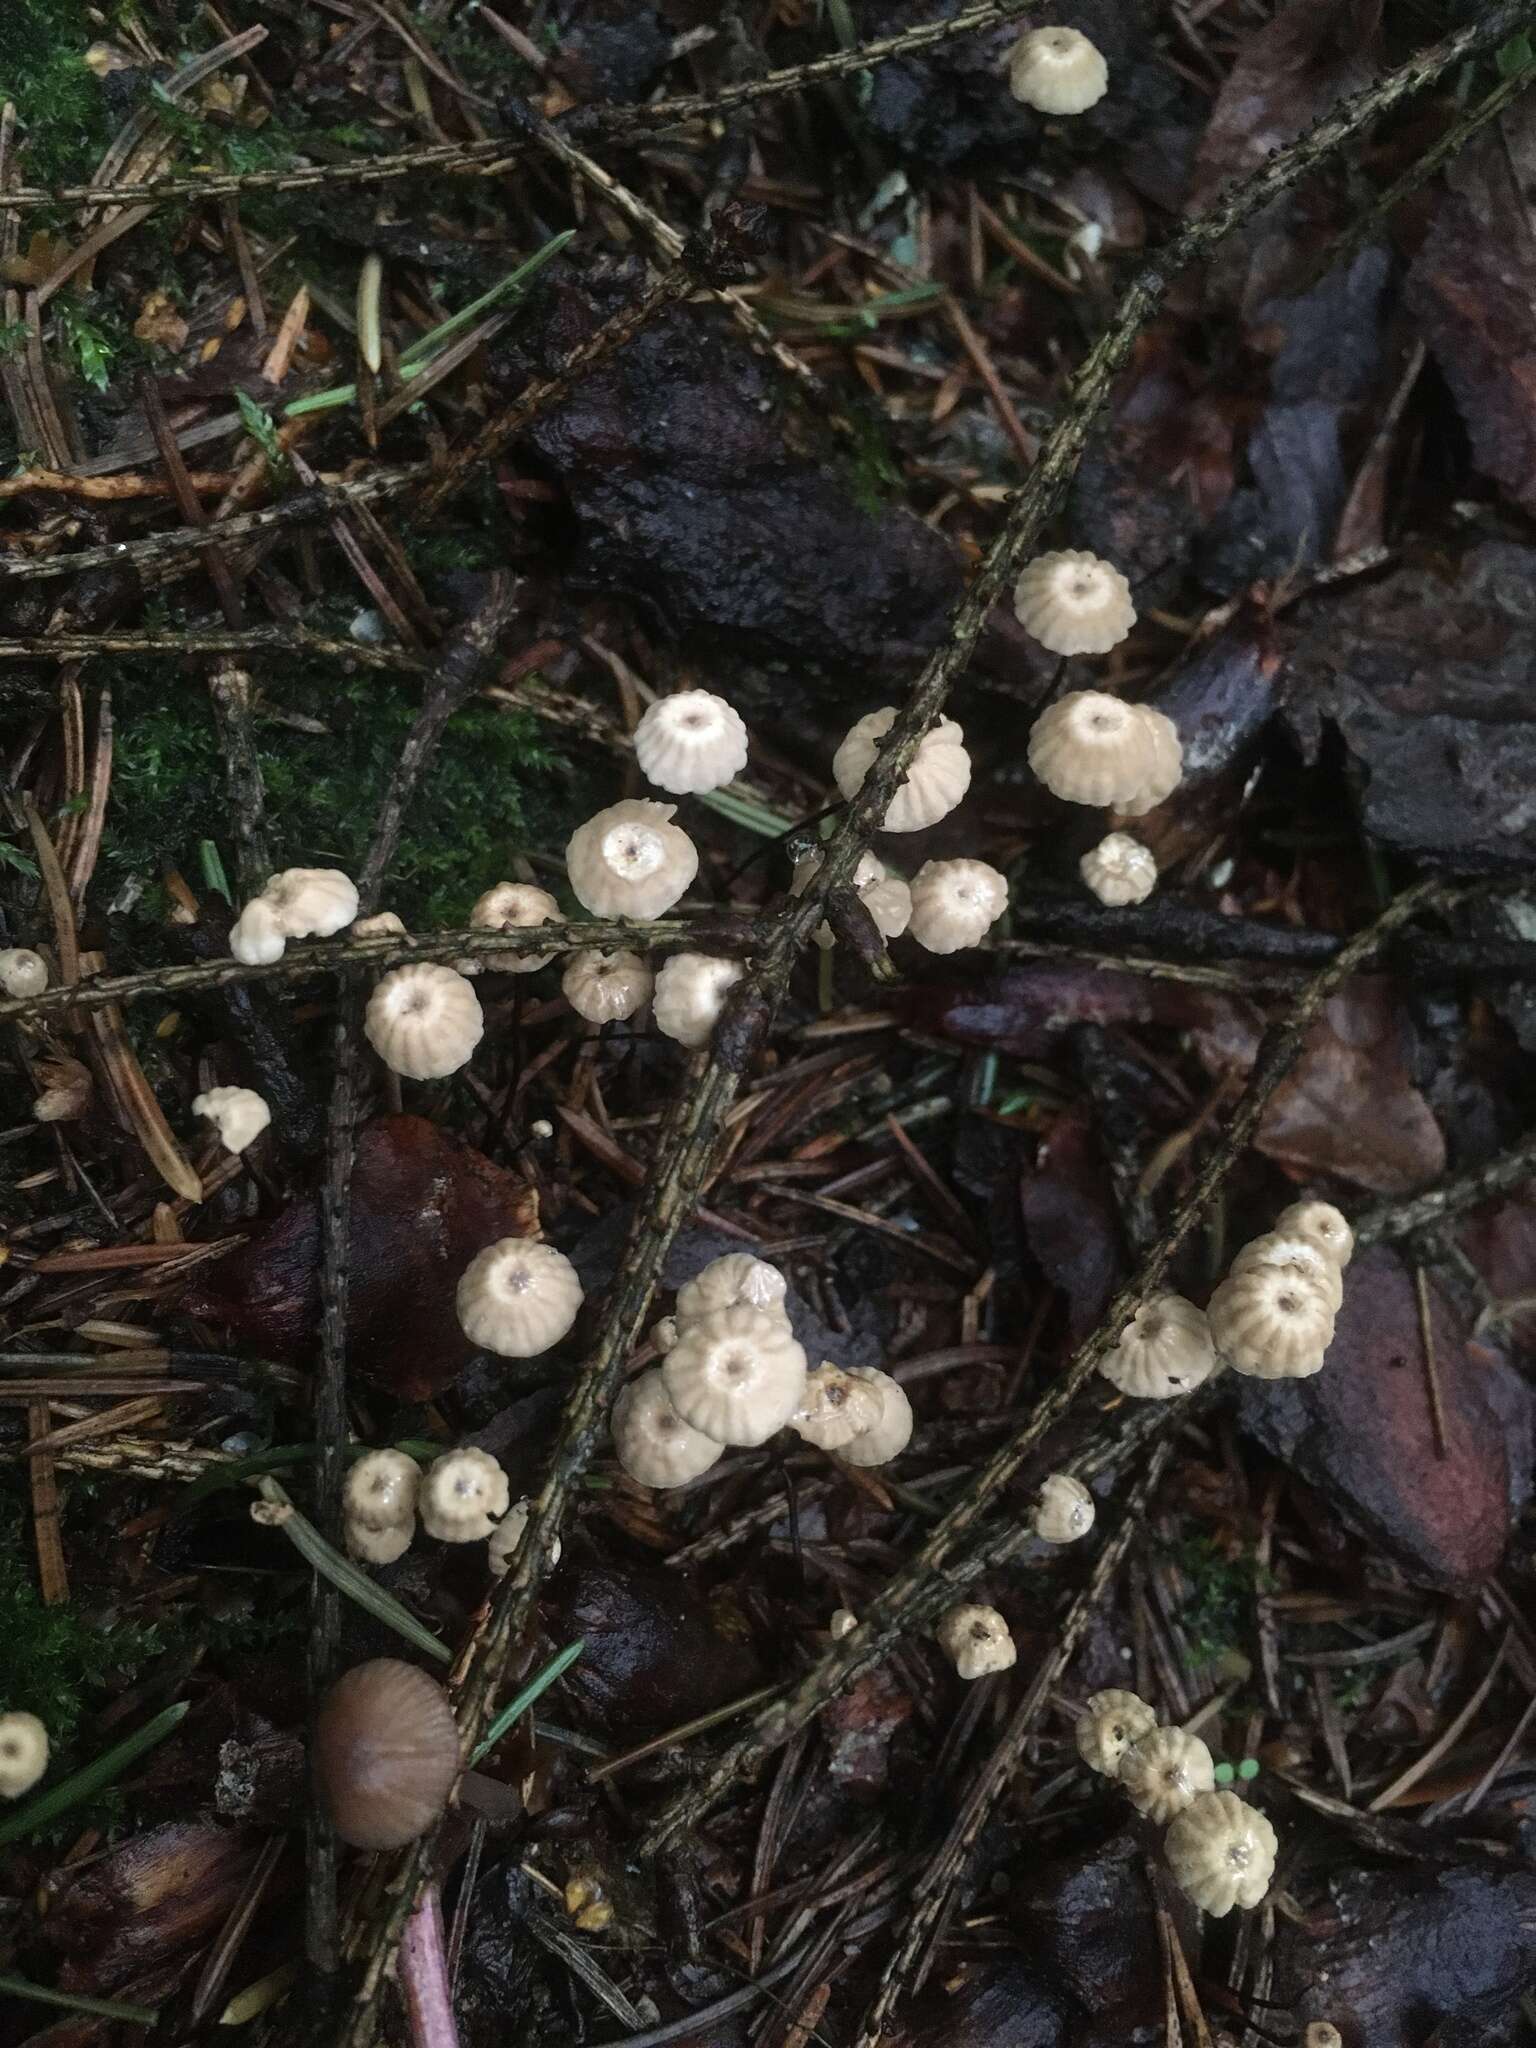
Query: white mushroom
x=423, y=1020
x=664, y=1335
x=377, y=1546
x=690, y=742
x=843, y=1623
x=310, y=903
x=1298, y=1256
x=631, y=860
x=256, y=938
x=1164, y=1350
x=885, y=896
x=517, y=1297
x=238, y=1114
x=507, y=1535
x=652, y=1442
x=384, y=924
x=690, y=994
x=22, y=972
x=836, y=1408
x=1119, y=869
x=1109, y=1724
x=1320, y=1224
x=937, y=777
x=381, y=1490
x=1167, y=765
x=514, y=907
x=737, y=1276
x=605, y=988
x=1322, y=2034
x=463, y=1495
x=955, y=903
x=1057, y=71
x=976, y=1640
x=1163, y=1770
x=1221, y=1852
x=23, y=1753
x=889, y=1436
x=1071, y=602
x=1270, y=1324
x=1091, y=748
x=1063, y=1509
x=735, y=1373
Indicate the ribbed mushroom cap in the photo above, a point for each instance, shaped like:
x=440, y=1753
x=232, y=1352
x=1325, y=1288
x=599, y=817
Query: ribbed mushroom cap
x=605, y=988
x=735, y=1373
x=1320, y=1224
x=1064, y=1509
x=888, y=1437
x=1057, y=71
x=690, y=742
x=377, y=1546
x=381, y=1490
x=1071, y=602
x=423, y=1020
x=23, y=1753
x=937, y=777
x=736, y=1276
x=386, y=1754
x=1091, y=748
x=651, y=1440
x=518, y=1297
x=311, y=903
x=977, y=1640
x=689, y=995
x=1271, y=1325
x=1163, y=1770
x=1119, y=869
x=514, y=907
x=1167, y=769
x=836, y=1408
x=631, y=860
x=1221, y=1852
x=1164, y=1350
x=464, y=1494
x=1109, y=1724
x=955, y=903
x=1299, y=1256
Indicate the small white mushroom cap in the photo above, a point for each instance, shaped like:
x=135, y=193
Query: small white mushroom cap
x=1299, y=1256
x=1063, y=1509
x=514, y=907
x=423, y=1020
x=836, y=1408
x=735, y=1373
x=1221, y=1852
x=507, y=1535
x=1320, y=1224
x=1071, y=602
x=517, y=1297
x=937, y=777
x=689, y=995
x=885, y=896
x=651, y=1440
x=1057, y=71
x=1109, y=1724
x=735, y=1277
x=1167, y=770
x=377, y=1546
x=22, y=972
x=955, y=903
x=843, y=1623
x=311, y=903
x=1163, y=1770
x=664, y=1334
x=239, y=1115
x=889, y=1436
x=381, y=1490
x=976, y=1641
x=1091, y=748
x=1322, y=2034
x=1119, y=869
x=1270, y=1324
x=256, y=938
x=631, y=860
x=1164, y=1350
x=463, y=1495
x=23, y=1753
x=605, y=988
x=690, y=742
x=384, y=924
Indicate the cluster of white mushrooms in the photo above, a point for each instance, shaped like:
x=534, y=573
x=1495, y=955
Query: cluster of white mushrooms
x=1221, y=1850
x=731, y=1372
x=299, y=903
x=23, y=1753
x=462, y=1497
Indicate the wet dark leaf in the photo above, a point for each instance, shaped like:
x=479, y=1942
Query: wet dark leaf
x=1070, y=1221
x=988, y=2002
x=147, y=1900
x=1091, y=1923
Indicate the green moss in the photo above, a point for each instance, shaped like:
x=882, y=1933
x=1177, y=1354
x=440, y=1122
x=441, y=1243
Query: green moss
x=1216, y=1612
x=59, y=102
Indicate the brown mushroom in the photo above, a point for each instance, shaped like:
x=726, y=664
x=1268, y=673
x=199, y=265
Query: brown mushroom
x=386, y=1753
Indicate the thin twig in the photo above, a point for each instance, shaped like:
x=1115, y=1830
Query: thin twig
x=1389, y=1221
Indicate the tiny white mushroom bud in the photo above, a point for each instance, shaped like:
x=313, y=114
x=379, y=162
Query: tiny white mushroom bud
x=690, y=994
x=311, y=903
x=889, y=1437
x=1163, y=1770
x=377, y=1546
x=1221, y=1852
x=605, y=988
x=937, y=776
x=976, y=1640
x=238, y=1114
x=1322, y=2034
x=843, y=1623
x=23, y=1753
x=1164, y=1350
x=1109, y=1724
x=1073, y=603
x=384, y=924
x=511, y=907
x=1298, y=1256
x=735, y=1373
x=631, y=860
x=1320, y=1224
x=256, y=938
x=1119, y=869
x=652, y=1442
x=836, y=1408
x=507, y=1535
x=735, y=1277
x=955, y=903
x=664, y=1334
x=1167, y=765
x=1091, y=748
x=1063, y=1509
x=1057, y=71
x=22, y=972
x=463, y=1495
x=381, y=1490
x=423, y=1020
x=518, y=1297
x=1270, y=1324
x=690, y=743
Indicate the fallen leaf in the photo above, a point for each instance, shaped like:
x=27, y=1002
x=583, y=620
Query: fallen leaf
x=1071, y=1224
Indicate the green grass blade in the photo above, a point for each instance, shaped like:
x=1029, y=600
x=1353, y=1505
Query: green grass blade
x=96, y=1777
x=522, y=1701
x=747, y=812
x=74, y=2001
x=347, y=1578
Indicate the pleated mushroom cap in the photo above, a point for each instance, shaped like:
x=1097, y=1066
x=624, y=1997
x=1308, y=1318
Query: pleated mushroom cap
x=651, y=1440
x=424, y=1021
x=1070, y=601
x=1221, y=1852
x=386, y=1754
x=1164, y=1350
x=937, y=776
x=691, y=742
x=1091, y=748
x=631, y=860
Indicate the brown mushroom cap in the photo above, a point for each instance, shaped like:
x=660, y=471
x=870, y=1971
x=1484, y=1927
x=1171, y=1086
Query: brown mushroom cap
x=386, y=1753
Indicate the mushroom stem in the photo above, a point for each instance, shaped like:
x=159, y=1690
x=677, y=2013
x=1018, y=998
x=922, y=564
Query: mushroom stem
x=424, y=1975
